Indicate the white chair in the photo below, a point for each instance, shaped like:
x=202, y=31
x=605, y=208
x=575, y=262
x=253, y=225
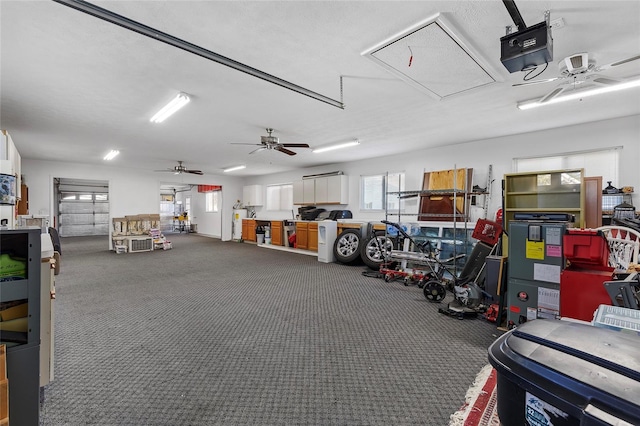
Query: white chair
x=624, y=245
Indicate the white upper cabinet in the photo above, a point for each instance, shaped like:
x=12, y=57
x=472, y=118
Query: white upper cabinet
x=308, y=191
x=298, y=192
x=322, y=190
x=252, y=195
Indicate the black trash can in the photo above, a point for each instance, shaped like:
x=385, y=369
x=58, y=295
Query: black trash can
x=561, y=373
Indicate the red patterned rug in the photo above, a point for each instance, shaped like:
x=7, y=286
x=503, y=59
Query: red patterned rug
x=481, y=405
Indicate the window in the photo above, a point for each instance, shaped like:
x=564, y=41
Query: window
x=69, y=196
x=595, y=163
x=280, y=197
x=212, y=201
x=374, y=188
x=187, y=205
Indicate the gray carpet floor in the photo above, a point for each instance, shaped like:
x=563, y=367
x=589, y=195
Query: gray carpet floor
x=225, y=333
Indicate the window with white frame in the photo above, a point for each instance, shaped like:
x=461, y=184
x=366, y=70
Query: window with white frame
x=595, y=163
x=67, y=196
x=280, y=197
x=374, y=188
x=212, y=201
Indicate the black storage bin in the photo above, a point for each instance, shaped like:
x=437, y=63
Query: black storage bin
x=561, y=373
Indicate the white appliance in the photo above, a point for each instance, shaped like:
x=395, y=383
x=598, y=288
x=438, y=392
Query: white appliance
x=238, y=215
x=327, y=233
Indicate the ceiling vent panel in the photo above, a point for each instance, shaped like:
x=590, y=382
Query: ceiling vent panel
x=434, y=58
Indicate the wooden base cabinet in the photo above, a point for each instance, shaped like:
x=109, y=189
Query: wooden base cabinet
x=307, y=235
x=302, y=235
x=249, y=230
x=312, y=243
x=276, y=233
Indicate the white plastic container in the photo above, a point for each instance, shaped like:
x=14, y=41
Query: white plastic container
x=46, y=246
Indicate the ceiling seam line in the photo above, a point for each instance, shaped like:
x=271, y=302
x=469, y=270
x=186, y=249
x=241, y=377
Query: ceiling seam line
x=150, y=32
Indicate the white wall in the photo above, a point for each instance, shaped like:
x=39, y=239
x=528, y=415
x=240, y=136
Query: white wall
x=209, y=223
x=499, y=152
x=130, y=191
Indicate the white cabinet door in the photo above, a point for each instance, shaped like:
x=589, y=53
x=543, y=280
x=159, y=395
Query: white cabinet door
x=322, y=190
x=298, y=192
x=252, y=195
x=309, y=191
x=337, y=189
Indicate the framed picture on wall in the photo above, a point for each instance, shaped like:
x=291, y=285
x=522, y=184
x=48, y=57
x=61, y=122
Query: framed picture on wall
x=7, y=189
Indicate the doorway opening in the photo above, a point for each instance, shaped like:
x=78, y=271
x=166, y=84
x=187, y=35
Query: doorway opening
x=175, y=207
x=191, y=208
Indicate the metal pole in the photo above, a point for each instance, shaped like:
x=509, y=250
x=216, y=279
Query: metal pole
x=515, y=14
x=129, y=24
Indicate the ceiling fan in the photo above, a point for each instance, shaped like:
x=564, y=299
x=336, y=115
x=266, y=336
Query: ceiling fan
x=272, y=143
x=576, y=70
x=180, y=168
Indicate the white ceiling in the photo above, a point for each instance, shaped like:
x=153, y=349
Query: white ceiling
x=74, y=86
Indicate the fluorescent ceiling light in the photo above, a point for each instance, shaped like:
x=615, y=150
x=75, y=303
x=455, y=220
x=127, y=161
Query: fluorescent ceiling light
x=579, y=94
x=178, y=102
x=111, y=155
x=338, y=146
x=233, y=169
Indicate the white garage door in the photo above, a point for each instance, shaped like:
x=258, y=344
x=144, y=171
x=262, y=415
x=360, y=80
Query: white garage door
x=83, y=208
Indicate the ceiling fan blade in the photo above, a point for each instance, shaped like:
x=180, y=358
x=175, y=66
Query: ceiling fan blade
x=285, y=150
x=295, y=145
x=262, y=148
x=604, y=81
x=526, y=83
x=195, y=172
x=240, y=143
x=555, y=92
x=615, y=64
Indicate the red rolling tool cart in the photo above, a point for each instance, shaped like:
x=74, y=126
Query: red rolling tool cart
x=582, y=288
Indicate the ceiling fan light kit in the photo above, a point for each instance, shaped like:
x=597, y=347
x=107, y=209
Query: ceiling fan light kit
x=579, y=94
x=169, y=109
x=181, y=168
x=337, y=146
x=270, y=142
x=576, y=70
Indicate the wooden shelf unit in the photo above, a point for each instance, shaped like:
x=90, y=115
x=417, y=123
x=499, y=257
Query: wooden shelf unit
x=556, y=191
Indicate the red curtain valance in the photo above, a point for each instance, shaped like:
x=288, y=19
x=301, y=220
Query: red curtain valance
x=209, y=188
